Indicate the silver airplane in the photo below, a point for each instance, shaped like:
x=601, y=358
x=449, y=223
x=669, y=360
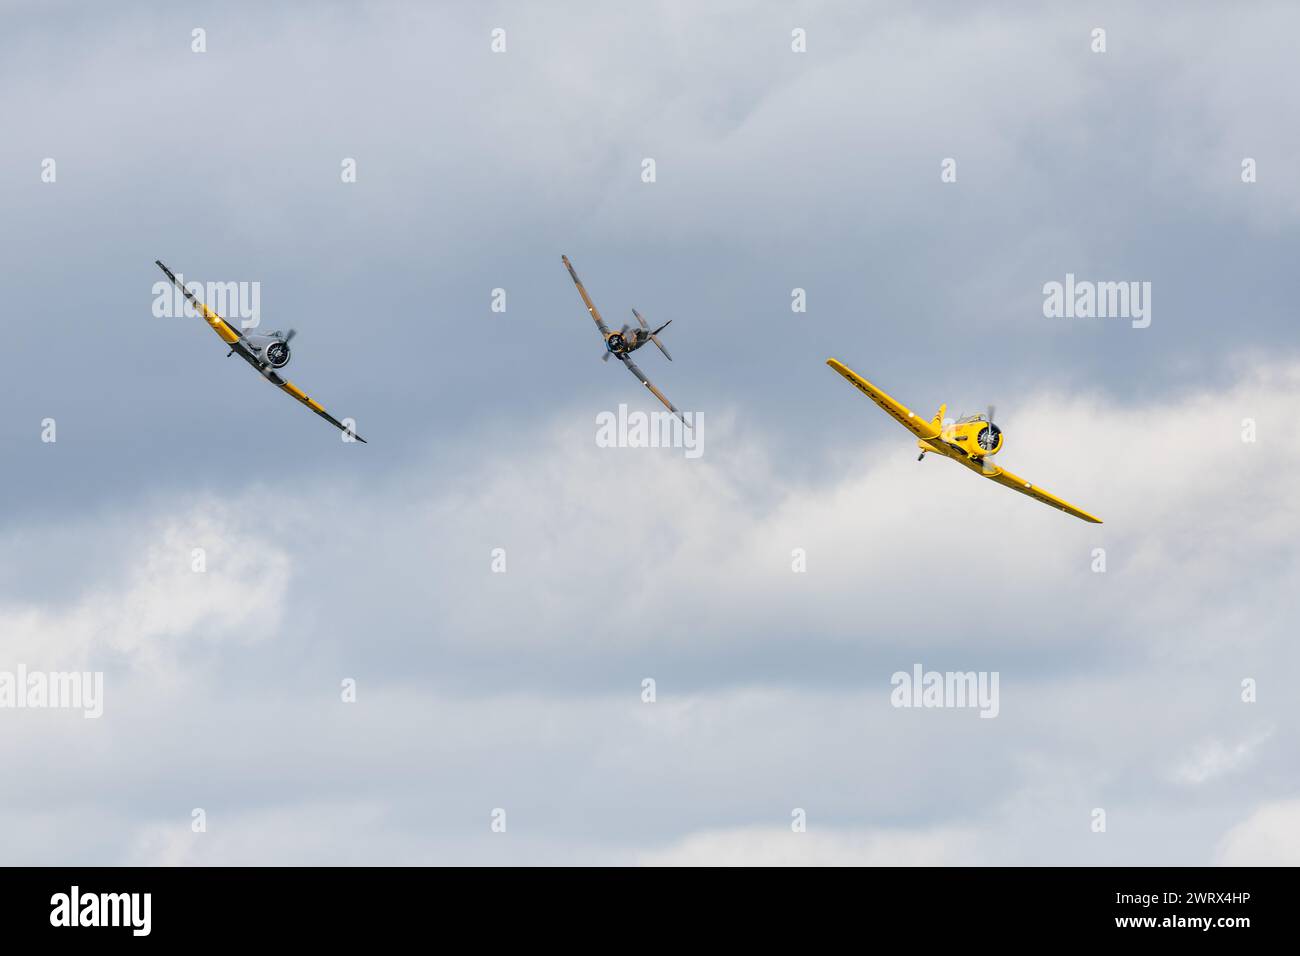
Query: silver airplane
x=265, y=352
x=626, y=340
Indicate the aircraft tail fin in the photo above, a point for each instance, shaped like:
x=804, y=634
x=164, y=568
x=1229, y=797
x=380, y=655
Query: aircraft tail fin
x=938, y=416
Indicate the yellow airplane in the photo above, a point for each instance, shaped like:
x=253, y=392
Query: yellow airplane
x=973, y=441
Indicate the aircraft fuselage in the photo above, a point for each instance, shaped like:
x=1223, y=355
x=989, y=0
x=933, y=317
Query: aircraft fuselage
x=976, y=439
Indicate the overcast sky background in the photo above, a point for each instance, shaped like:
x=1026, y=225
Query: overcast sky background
x=522, y=690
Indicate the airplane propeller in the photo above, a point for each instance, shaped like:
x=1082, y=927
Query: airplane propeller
x=288, y=336
x=986, y=463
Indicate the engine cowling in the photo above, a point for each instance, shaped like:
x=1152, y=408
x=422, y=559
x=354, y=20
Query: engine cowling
x=276, y=354
x=989, y=439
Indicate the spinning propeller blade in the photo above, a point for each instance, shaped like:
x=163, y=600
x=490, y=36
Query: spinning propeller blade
x=986, y=463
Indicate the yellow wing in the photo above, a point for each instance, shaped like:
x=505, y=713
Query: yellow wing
x=294, y=391
x=913, y=422
x=229, y=334
x=1016, y=483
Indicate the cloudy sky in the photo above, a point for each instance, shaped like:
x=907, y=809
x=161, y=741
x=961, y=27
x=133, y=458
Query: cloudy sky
x=1119, y=690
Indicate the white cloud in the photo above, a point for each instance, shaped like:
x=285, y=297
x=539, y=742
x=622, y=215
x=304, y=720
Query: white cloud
x=1268, y=837
x=1214, y=758
x=649, y=551
x=148, y=604
x=770, y=846
x=773, y=687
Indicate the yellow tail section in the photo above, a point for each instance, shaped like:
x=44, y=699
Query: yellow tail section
x=938, y=423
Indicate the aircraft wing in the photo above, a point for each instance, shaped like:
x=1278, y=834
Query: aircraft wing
x=631, y=367
x=290, y=389
x=1016, y=483
x=229, y=334
x=591, y=307
x=294, y=391
x=914, y=423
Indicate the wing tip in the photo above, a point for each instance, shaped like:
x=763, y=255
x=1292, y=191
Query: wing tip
x=838, y=366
